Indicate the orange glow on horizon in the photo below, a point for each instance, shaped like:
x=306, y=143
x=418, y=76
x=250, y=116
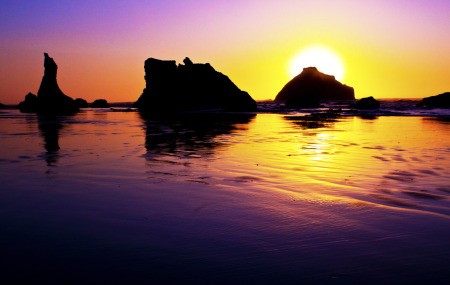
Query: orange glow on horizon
x=101, y=55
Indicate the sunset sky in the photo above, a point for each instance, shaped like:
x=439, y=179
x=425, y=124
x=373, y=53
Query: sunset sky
x=389, y=48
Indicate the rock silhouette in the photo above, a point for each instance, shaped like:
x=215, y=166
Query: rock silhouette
x=50, y=99
x=190, y=134
x=100, y=103
x=438, y=101
x=189, y=87
x=29, y=105
x=311, y=87
x=49, y=127
x=315, y=120
x=81, y=103
x=3, y=106
x=368, y=103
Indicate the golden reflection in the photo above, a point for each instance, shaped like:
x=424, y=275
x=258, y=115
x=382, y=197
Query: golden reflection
x=319, y=149
x=349, y=161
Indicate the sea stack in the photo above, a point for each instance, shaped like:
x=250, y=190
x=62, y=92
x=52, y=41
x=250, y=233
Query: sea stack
x=311, y=87
x=50, y=99
x=189, y=87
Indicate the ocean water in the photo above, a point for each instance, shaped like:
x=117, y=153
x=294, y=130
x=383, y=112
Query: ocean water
x=106, y=197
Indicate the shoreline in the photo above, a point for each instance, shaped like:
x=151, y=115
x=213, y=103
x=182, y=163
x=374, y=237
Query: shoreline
x=389, y=107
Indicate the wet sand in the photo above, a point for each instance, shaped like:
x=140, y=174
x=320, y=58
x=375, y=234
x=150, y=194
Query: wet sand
x=111, y=197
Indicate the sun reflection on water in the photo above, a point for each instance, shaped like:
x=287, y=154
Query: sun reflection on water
x=351, y=161
x=390, y=161
x=319, y=148
x=348, y=196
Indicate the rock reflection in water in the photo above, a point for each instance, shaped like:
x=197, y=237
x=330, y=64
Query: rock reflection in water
x=314, y=121
x=50, y=127
x=190, y=134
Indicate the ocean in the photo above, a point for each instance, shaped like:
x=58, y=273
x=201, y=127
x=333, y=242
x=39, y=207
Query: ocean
x=281, y=196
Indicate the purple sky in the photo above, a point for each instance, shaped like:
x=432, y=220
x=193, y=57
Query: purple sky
x=389, y=48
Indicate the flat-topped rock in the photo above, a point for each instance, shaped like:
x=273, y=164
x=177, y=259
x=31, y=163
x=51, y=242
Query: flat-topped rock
x=438, y=101
x=311, y=87
x=189, y=87
x=50, y=99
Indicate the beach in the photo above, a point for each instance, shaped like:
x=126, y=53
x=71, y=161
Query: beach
x=243, y=198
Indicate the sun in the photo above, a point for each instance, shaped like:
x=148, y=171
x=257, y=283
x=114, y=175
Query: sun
x=326, y=61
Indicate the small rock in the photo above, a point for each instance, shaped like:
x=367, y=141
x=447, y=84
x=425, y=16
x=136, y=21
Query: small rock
x=368, y=103
x=81, y=103
x=100, y=103
x=29, y=105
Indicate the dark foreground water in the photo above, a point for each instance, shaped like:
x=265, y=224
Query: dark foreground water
x=112, y=198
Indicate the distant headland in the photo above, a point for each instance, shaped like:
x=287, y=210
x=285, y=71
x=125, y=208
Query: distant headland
x=438, y=101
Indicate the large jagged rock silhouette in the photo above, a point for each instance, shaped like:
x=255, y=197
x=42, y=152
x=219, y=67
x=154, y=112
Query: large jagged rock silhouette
x=189, y=87
x=50, y=99
x=438, y=101
x=311, y=87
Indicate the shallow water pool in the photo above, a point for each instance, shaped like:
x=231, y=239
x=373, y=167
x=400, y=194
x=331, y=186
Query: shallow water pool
x=112, y=197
